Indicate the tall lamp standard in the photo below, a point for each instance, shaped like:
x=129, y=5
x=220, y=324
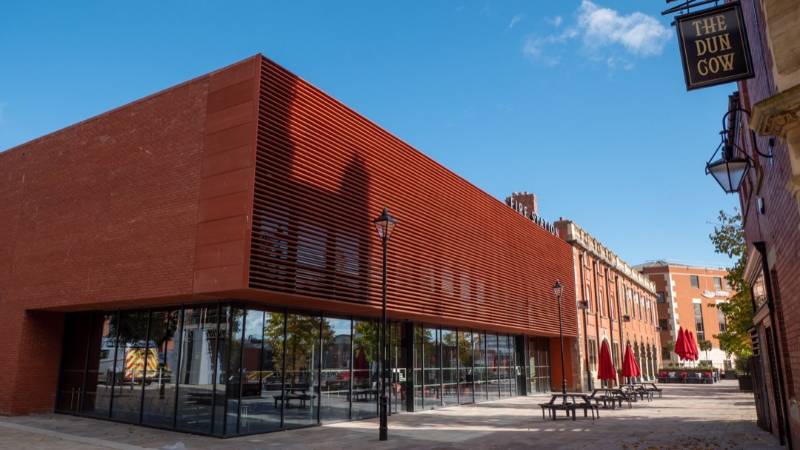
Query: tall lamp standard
x=384, y=224
x=557, y=288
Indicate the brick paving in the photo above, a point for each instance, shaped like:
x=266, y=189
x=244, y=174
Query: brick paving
x=688, y=417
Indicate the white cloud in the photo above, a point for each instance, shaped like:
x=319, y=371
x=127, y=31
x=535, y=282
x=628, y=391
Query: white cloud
x=540, y=48
x=555, y=21
x=638, y=33
x=604, y=33
x=515, y=20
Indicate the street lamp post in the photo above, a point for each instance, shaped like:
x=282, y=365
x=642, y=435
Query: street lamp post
x=557, y=288
x=384, y=224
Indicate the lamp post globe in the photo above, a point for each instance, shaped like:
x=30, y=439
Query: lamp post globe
x=729, y=173
x=384, y=225
x=557, y=291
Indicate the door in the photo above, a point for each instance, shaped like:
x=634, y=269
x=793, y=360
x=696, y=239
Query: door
x=77, y=328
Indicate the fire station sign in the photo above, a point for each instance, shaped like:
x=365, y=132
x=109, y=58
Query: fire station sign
x=714, y=46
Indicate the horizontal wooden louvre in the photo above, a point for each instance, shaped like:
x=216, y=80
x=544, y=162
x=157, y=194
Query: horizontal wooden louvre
x=324, y=172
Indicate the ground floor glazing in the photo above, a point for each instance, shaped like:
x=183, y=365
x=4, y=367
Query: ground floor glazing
x=228, y=369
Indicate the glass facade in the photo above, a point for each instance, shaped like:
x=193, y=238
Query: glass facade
x=539, y=365
x=228, y=370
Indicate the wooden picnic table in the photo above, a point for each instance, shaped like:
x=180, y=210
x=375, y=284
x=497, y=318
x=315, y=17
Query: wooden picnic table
x=570, y=402
x=612, y=397
x=293, y=393
x=651, y=387
x=637, y=391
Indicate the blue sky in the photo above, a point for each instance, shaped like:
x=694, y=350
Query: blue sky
x=581, y=102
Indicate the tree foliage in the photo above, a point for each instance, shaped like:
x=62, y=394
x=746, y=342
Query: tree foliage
x=728, y=238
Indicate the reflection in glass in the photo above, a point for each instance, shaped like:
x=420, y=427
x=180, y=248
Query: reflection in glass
x=100, y=367
x=227, y=371
x=432, y=370
x=492, y=366
x=262, y=365
x=465, y=357
x=335, y=373
x=137, y=361
x=159, y=389
x=480, y=371
x=449, y=367
x=195, y=394
x=504, y=365
x=365, y=369
x=419, y=348
x=398, y=364
x=302, y=361
x=228, y=379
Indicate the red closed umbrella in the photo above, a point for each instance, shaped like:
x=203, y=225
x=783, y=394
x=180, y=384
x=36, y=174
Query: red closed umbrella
x=630, y=368
x=361, y=366
x=605, y=366
x=681, y=346
x=694, y=353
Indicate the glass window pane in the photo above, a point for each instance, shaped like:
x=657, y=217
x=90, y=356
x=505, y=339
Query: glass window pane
x=432, y=372
x=365, y=369
x=228, y=383
x=492, y=366
x=465, y=357
x=137, y=360
x=449, y=367
x=480, y=371
x=195, y=391
x=504, y=365
x=302, y=361
x=100, y=367
x=335, y=374
x=262, y=365
x=399, y=367
x=419, y=342
x=159, y=391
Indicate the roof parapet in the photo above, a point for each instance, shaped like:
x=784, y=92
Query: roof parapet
x=576, y=235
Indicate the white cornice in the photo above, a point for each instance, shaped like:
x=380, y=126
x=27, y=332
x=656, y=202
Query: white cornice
x=579, y=237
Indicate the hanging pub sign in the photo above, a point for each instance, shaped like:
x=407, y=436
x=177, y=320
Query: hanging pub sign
x=714, y=47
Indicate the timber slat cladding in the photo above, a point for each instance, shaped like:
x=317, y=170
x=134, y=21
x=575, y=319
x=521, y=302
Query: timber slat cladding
x=323, y=173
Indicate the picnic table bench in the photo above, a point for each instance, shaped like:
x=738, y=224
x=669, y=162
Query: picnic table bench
x=652, y=388
x=298, y=394
x=611, y=397
x=570, y=402
x=638, y=391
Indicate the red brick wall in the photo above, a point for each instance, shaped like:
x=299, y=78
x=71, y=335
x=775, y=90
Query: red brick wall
x=106, y=213
x=778, y=226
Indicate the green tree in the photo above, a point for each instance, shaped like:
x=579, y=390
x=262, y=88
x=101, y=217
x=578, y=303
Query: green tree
x=705, y=346
x=728, y=238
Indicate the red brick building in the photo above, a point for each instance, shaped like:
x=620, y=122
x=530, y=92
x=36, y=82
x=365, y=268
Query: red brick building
x=617, y=304
x=204, y=259
x=769, y=105
x=687, y=298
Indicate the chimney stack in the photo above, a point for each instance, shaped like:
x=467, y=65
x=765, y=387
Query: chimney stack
x=523, y=202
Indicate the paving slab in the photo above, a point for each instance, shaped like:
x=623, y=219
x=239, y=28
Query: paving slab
x=715, y=416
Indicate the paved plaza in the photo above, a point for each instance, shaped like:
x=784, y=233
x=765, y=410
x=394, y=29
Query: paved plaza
x=687, y=417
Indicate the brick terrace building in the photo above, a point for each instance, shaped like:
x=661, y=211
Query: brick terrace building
x=686, y=298
x=204, y=259
x=616, y=303
x=770, y=201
